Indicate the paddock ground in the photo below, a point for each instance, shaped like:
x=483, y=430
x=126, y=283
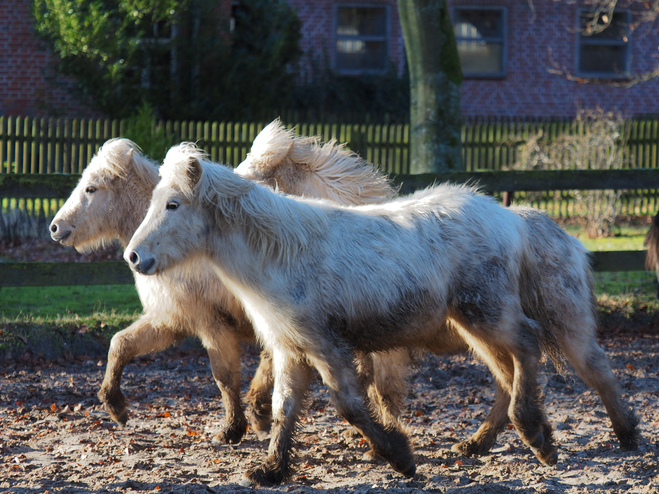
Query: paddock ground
x=55, y=437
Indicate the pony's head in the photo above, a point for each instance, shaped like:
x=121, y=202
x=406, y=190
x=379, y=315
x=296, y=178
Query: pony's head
x=304, y=167
x=110, y=200
x=177, y=224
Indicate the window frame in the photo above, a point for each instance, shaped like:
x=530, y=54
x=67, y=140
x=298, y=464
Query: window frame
x=503, y=40
x=386, y=38
x=626, y=73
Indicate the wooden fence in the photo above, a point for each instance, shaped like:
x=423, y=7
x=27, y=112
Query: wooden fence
x=61, y=146
x=31, y=145
x=55, y=186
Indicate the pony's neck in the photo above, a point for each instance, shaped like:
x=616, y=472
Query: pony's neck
x=272, y=228
x=137, y=193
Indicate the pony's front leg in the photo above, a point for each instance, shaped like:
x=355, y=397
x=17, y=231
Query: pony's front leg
x=259, y=397
x=339, y=374
x=139, y=338
x=224, y=358
x=484, y=438
x=291, y=381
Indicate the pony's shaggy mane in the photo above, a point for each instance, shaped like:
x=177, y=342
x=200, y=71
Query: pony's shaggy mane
x=241, y=202
x=113, y=159
x=340, y=173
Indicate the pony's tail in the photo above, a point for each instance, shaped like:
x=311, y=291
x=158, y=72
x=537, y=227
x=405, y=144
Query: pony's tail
x=652, y=243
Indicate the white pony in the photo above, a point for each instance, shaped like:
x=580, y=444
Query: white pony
x=109, y=203
x=322, y=283
x=557, y=264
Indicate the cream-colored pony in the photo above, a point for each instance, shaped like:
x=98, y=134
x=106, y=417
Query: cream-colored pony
x=323, y=283
x=556, y=263
x=109, y=203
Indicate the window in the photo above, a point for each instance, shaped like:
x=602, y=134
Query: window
x=481, y=37
x=361, y=39
x=603, y=52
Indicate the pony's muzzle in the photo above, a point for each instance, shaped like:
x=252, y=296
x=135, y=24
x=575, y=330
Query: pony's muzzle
x=141, y=264
x=59, y=233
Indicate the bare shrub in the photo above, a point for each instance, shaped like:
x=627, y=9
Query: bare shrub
x=595, y=141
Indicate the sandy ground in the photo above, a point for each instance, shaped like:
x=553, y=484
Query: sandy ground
x=55, y=437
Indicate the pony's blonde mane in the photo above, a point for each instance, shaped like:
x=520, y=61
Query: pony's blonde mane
x=113, y=159
x=242, y=203
x=331, y=170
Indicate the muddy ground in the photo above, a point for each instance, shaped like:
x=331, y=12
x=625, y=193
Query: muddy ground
x=55, y=437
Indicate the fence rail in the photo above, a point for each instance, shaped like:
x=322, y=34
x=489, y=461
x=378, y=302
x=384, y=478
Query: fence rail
x=116, y=272
x=23, y=274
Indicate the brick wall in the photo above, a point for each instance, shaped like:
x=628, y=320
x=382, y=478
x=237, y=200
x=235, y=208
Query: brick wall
x=538, y=42
x=27, y=83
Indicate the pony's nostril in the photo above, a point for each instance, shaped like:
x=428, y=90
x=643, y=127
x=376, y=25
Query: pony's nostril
x=53, y=228
x=134, y=258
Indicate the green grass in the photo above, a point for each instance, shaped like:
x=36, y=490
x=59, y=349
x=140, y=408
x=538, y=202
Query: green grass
x=624, y=238
x=52, y=302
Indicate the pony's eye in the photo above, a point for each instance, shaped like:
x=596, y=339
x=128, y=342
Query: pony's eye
x=90, y=190
x=172, y=205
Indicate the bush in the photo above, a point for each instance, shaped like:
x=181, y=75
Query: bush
x=596, y=141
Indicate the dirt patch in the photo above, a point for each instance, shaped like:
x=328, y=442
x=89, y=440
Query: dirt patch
x=55, y=437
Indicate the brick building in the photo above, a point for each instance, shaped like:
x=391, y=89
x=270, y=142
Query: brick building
x=520, y=58
x=27, y=85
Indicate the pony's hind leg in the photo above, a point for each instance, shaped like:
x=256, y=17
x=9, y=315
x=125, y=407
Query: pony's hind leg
x=139, y=338
x=225, y=365
x=291, y=381
x=388, y=389
x=514, y=362
x=339, y=374
x=259, y=397
x=484, y=438
x=592, y=365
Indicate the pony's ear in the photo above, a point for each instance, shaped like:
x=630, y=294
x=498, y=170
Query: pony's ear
x=193, y=171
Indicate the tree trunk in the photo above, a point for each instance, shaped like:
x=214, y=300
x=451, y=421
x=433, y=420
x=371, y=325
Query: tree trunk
x=435, y=77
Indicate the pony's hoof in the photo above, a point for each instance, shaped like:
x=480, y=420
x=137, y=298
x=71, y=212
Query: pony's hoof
x=228, y=435
x=629, y=444
x=372, y=456
x=116, y=405
x=262, y=435
x=260, y=417
x=471, y=448
x=119, y=417
x=409, y=472
x=261, y=477
x=548, y=454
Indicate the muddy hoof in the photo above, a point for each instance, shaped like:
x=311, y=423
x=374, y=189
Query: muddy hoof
x=371, y=455
x=471, y=448
x=261, y=477
x=229, y=435
x=120, y=417
x=260, y=417
x=547, y=454
x=629, y=436
x=629, y=443
x=409, y=472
